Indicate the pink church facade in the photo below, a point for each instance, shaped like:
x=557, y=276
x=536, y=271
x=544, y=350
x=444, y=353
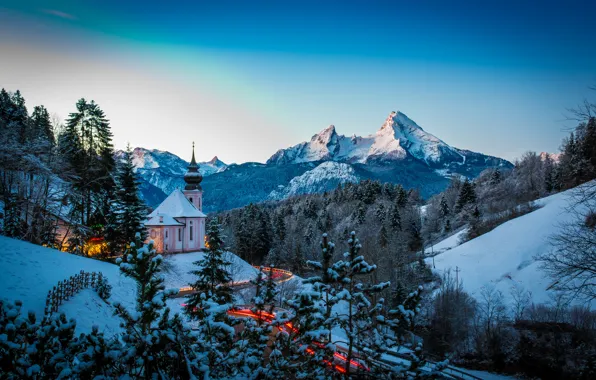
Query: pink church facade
x=177, y=225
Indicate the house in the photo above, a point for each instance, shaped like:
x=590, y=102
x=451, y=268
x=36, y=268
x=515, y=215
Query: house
x=178, y=224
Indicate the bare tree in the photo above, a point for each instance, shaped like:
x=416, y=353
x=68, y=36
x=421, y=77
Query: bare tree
x=572, y=260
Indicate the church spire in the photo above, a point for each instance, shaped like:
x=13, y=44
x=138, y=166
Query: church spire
x=193, y=162
x=193, y=177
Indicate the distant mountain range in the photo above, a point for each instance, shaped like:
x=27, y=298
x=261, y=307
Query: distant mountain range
x=399, y=152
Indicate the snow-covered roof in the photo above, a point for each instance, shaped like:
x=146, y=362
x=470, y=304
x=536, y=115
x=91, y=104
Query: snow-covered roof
x=177, y=206
x=163, y=220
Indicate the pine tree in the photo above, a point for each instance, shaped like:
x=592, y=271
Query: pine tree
x=358, y=324
x=128, y=209
x=41, y=126
x=280, y=226
x=380, y=213
x=549, y=174
x=495, y=177
x=360, y=213
x=383, y=238
x=467, y=195
x=401, y=199
x=87, y=146
x=12, y=218
x=395, y=218
x=444, y=207
x=166, y=345
x=212, y=276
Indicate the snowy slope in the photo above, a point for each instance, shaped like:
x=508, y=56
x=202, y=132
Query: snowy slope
x=504, y=257
x=179, y=265
x=28, y=272
x=324, y=177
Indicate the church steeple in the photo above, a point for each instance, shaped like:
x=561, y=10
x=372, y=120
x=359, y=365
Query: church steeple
x=193, y=177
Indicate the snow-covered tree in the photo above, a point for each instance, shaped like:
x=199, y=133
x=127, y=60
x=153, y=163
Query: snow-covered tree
x=128, y=211
x=467, y=195
x=155, y=344
x=213, y=278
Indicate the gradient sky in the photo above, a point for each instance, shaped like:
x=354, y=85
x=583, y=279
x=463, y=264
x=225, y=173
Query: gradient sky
x=245, y=78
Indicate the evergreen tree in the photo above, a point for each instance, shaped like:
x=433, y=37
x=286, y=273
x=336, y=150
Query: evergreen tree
x=212, y=276
x=168, y=349
x=549, y=174
x=280, y=226
x=383, y=238
x=401, y=199
x=41, y=126
x=87, y=146
x=128, y=209
x=467, y=195
x=395, y=218
x=380, y=213
x=12, y=218
x=360, y=213
x=495, y=177
x=444, y=207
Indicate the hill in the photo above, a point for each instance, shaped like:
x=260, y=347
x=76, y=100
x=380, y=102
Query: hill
x=505, y=256
x=28, y=272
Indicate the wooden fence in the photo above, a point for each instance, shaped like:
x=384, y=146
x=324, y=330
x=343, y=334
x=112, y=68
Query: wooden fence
x=66, y=289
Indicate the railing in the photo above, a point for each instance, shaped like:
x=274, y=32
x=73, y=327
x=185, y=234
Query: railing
x=71, y=286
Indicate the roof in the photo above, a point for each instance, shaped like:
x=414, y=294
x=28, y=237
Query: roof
x=167, y=221
x=177, y=206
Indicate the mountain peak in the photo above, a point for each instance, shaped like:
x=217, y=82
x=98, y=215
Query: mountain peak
x=326, y=135
x=215, y=161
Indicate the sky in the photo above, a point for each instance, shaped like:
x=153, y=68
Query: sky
x=245, y=78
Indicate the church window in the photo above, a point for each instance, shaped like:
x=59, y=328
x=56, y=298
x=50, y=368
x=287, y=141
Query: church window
x=190, y=199
x=166, y=234
x=190, y=231
x=153, y=234
x=179, y=234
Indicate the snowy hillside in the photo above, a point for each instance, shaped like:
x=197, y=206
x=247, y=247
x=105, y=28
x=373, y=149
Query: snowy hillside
x=28, y=272
x=326, y=176
x=398, y=138
x=504, y=257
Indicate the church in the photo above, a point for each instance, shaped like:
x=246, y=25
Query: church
x=178, y=224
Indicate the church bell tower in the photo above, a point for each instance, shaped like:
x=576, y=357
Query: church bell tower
x=193, y=191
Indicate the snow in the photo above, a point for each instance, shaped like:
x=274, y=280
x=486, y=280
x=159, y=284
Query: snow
x=325, y=176
x=505, y=256
x=397, y=137
x=176, y=205
x=162, y=220
x=28, y=272
x=179, y=265
x=447, y=244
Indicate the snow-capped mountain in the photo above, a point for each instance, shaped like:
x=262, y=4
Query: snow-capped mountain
x=398, y=138
x=399, y=152
x=162, y=172
x=326, y=176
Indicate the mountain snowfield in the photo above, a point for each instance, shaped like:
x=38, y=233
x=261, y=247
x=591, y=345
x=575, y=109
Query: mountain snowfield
x=398, y=137
x=325, y=176
x=505, y=257
x=28, y=272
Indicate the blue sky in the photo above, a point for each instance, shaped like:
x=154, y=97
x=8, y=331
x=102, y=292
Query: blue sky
x=246, y=78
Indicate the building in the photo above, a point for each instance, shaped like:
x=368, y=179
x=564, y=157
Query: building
x=178, y=223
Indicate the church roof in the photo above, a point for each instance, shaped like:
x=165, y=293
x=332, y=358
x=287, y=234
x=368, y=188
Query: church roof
x=177, y=206
x=163, y=220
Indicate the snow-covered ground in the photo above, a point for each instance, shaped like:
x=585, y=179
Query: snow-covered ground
x=180, y=265
x=28, y=272
x=446, y=244
x=505, y=257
